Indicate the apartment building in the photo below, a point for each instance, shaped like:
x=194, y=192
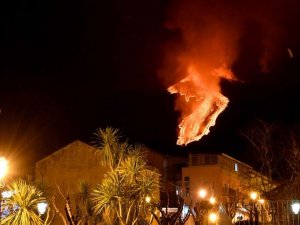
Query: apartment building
x=224, y=179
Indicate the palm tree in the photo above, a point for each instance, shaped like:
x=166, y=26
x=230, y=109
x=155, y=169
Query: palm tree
x=85, y=213
x=122, y=193
x=23, y=204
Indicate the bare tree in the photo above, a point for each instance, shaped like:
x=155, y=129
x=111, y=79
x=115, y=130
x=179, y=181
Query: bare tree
x=57, y=211
x=277, y=152
x=260, y=135
x=291, y=156
x=82, y=213
x=229, y=201
x=264, y=140
x=168, y=218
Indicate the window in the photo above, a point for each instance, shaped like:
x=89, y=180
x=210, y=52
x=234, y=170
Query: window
x=194, y=160
x=210, y=159
x=236, y=167
x=178, y=190
x=187, y=185
x=203, y=159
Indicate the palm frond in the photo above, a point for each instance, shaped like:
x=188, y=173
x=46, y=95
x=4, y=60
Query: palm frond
x=108, y=193
x=123, y=191
x=24, y=200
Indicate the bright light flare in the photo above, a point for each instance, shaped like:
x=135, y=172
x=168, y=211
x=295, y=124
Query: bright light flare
x=253, y=195
x=148, y=199
x=202, y=193
x=42, y=207
x=3, y=167
x=6, y=194
x=212, y=200
x=296, y=207
x=213, y=217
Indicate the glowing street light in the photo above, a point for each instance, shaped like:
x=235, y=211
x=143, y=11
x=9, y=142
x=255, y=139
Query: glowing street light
x=296, y=207
x=212, y=200
x=148, y=199
x=3, y=167
x=202, y=193
x=3, y=172
x=42, y=207
x=213, y=217
x=253, y=195
x=6, y=194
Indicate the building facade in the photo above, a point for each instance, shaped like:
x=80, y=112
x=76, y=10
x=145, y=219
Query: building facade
x=68, y=166
x=63, y=170
x=226, y=180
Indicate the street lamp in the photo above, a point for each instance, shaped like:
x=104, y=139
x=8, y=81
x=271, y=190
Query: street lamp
x=42, y=206
x=148, y=199
x=213, y=217
x=202, y=193
x=296, y=207
x=3, y=172
x=212, y=200
x=253, y=195
x=254, y=210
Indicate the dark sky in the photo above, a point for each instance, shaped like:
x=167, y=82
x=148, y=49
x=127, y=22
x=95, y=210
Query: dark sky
x=68, y=67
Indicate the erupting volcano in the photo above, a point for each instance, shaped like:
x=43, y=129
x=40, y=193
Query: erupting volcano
x=202, y=103
x=212, y=37
x=203, y=56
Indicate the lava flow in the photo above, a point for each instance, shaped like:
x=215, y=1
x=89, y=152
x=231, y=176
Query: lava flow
x=203, y=105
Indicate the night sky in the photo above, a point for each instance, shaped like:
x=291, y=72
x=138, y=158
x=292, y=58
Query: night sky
x=69, y=67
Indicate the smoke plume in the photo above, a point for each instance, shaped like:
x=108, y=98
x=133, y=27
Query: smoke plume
x=214, y=37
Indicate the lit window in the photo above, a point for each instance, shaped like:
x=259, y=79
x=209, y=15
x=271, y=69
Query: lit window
x=187, y=185
x=236, y=167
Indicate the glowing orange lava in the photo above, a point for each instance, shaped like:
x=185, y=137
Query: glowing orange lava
x=204, y=103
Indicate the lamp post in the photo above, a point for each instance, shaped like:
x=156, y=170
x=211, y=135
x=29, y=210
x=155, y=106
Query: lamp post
x=3, y=171
x=42, y=207
x=213, y=217
x=253, y=212
x=212, y=200
x=295, y=208
x=202, y=193
x=203, y=206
